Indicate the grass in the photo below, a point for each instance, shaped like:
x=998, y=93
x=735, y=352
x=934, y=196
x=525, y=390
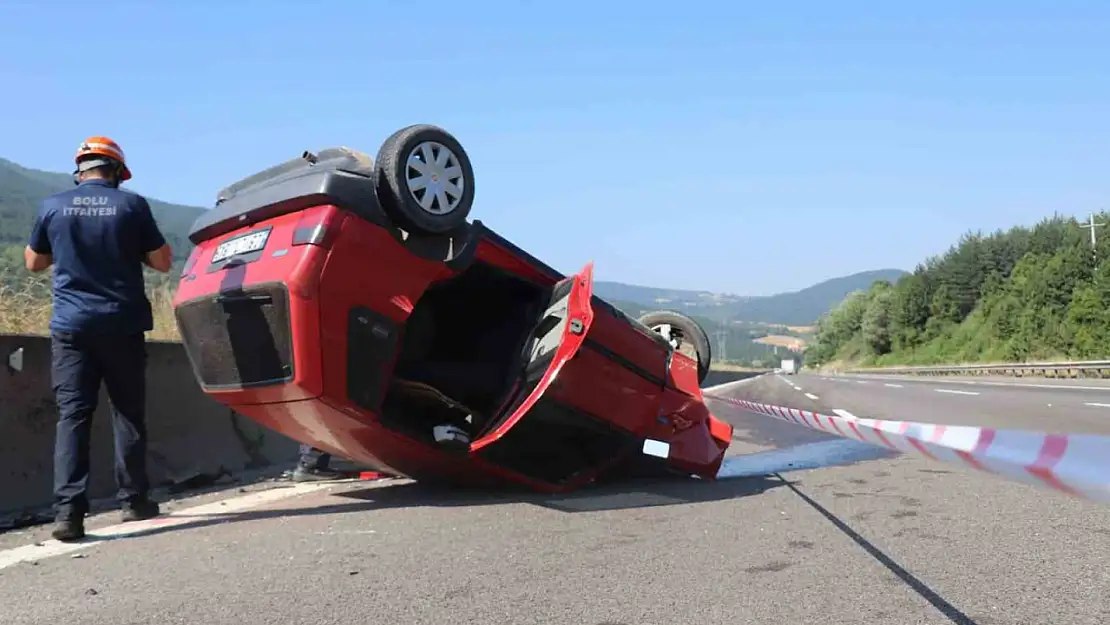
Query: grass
x=26, y=305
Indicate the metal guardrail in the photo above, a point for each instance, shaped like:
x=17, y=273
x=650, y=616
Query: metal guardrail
x=1076, y=369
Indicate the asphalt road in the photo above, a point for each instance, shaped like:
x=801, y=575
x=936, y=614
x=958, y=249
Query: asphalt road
x=1075, y=406
x=882, y=540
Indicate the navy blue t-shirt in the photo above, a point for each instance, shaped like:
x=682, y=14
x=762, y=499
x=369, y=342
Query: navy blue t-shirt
x=99, y=236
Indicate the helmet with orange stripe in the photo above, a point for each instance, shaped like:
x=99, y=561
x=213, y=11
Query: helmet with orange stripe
x=99, y=151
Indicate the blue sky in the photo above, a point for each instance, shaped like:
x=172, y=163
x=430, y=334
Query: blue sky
x=743, y=147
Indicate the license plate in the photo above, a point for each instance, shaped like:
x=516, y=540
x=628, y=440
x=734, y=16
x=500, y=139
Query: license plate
x=245, y=244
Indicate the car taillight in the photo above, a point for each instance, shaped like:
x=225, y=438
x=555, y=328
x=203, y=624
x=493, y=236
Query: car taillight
x=190, y=261
x=317, y=226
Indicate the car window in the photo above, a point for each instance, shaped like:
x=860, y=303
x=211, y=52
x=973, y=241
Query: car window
x=550, y=331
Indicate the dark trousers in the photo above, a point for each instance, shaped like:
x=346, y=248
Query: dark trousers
x=80, y=364
x=312, y=458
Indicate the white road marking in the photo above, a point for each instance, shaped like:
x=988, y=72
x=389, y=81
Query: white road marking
x=945, y=390
x=949, y=380
x=844, y=414
x=721, y=387
x=812, y=396
x=893, y=385
x=209, y=512
x=1096, y=404
x=861, y=381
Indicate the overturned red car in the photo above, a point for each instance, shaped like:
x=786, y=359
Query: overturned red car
x=347, y=303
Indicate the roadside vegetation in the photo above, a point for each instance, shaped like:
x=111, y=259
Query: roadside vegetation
x=25, y=300
x=1026, y=294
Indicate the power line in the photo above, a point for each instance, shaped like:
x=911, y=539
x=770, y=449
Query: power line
x=1092, y=224
x=722, y=344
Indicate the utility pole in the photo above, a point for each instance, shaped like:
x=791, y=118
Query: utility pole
x=722, y=343
x=1092, y=224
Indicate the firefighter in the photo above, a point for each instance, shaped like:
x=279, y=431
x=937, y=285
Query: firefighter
x=98, y=237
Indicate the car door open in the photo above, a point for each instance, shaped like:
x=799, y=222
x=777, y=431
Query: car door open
x=555, y=339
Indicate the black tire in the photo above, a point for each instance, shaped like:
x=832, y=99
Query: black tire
x=689, y=331
x=399, y=202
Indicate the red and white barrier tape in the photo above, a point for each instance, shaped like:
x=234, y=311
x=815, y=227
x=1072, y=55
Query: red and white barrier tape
x=1076, y=464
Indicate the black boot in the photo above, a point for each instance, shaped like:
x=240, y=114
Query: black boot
x=139, y=510
x=319, y=474
x=69, y=528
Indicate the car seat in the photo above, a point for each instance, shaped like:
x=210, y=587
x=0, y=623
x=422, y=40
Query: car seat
x=466, y=382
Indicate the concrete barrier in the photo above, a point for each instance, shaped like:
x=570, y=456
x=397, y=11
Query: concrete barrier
x=724, y=377
x=190, y=434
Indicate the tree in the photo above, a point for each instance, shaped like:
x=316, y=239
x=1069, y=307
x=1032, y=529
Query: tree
x=1017, y=294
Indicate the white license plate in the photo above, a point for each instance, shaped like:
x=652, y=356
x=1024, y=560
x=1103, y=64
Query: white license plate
x=244, y=244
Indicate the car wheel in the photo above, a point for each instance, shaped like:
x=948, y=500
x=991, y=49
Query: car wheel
x=425, y=179
x=684, y=334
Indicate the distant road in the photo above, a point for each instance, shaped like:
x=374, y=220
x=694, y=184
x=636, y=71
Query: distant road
x=986, y=380
x=1076, y=406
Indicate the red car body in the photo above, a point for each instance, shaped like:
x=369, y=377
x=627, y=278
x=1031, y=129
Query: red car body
x=306, y=335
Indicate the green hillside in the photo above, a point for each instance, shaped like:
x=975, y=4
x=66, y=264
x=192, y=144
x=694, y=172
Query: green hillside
x=806, y=306
x=719, y=306
x=1025, y=294
x=797, y=308
x=732, y=342
x=22, y=189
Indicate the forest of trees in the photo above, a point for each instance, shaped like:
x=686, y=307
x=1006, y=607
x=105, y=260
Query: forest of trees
x=1026, y=294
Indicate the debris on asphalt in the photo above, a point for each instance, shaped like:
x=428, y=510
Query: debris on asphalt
x=200, y=480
